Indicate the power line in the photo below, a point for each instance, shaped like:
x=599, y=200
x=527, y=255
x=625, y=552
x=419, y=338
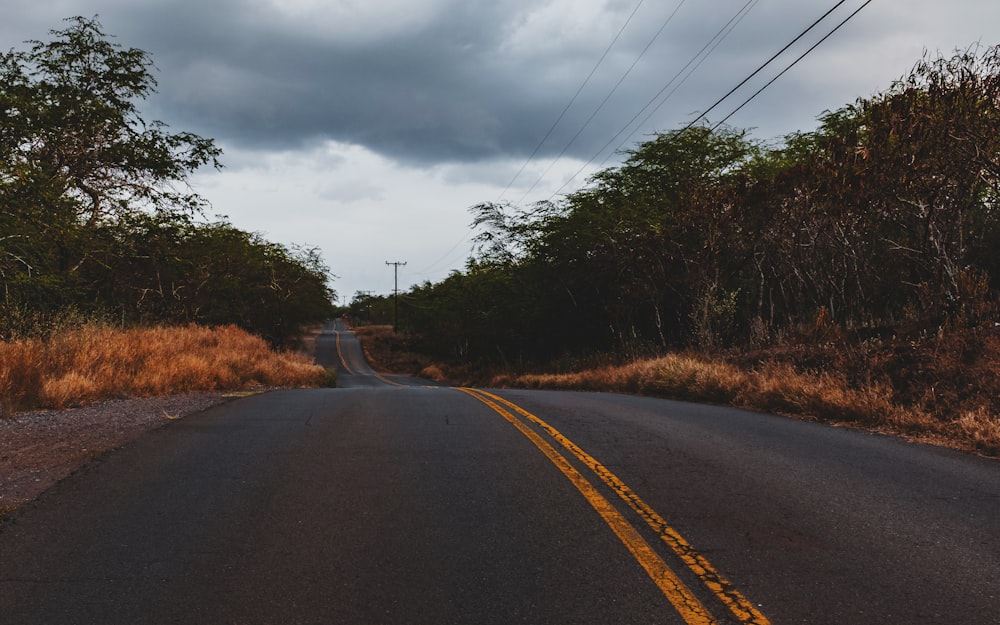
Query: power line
x=742, y=83
x=572, y=100
x=444, y=259
x=710, y=46
x=776, y=55
x=793, y=63
x=605, y=100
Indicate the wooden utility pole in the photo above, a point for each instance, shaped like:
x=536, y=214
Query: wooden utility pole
x=395, y=293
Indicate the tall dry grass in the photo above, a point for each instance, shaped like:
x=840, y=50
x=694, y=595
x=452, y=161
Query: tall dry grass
x=779, y=388
x=942, y=388
x=95, y=362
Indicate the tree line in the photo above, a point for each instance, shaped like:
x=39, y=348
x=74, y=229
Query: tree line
x=96, y=214
x=883, y=219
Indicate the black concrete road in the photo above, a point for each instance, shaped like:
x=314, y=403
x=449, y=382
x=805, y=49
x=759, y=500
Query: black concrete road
x=391, y=501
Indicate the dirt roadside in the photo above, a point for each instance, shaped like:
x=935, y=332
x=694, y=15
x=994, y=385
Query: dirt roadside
x=39, y=448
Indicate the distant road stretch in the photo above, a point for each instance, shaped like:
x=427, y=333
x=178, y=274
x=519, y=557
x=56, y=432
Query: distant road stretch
x=394, y=501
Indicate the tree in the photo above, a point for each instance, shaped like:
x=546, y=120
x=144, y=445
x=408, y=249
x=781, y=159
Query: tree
x=656, y=236
x=886, y=216
x=889, y=210
x=74, y=150
x=162, y=268
x=95, y=212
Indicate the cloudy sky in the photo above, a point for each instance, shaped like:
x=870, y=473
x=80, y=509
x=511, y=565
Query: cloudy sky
x=367, y=128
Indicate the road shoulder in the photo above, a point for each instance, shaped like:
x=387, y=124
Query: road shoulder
x=40, y=448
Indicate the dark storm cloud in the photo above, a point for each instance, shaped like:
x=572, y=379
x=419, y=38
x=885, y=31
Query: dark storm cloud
x=436, y=92
x=436, y=80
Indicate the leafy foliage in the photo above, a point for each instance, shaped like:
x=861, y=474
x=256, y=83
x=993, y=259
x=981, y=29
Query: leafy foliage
x=886, y=216
x=95, y=209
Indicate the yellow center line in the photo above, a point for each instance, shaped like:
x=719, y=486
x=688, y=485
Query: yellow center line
x=340, y=353
x=386, y=380
x=343, y=361
x=726, y=592
x=683, y=600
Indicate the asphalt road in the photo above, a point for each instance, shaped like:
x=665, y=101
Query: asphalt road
x=393, y=501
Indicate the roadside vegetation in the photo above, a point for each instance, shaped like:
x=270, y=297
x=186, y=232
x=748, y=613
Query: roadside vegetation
x=94, y=362
x=112, y=281
x=96, y=215
x=944, y=390
x=850, y=273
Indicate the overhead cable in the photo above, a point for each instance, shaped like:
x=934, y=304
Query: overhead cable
x=744, y=81
x=605, y=100
x=775, y=56
x=572, y=100
x=695, y=60
x=793, y=63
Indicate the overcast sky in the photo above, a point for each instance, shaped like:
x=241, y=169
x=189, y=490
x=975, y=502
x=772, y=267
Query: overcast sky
x=367, y=128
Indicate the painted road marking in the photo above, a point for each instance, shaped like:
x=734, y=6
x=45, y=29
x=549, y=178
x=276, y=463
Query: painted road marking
x=679, y=595
x=340, y=353
x=721, y=587
x=343, y=362
x=386, y=380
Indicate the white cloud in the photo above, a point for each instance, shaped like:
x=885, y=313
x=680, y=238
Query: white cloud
x=362, y=209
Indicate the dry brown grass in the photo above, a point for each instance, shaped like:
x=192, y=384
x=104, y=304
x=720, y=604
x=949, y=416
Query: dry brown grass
x=942, y=388
x=781, y=388
x=95, y=362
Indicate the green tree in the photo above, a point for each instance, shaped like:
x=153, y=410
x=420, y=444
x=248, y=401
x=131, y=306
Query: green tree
x=170, y=268
x=76, y=153
x=659, y=235
x=95, y=211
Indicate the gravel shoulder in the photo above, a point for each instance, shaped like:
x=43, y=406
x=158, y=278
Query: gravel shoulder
x=39, y=448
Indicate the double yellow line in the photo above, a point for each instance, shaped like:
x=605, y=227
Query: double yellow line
x=680, y=596
x=347, y=367
x=340, y=354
